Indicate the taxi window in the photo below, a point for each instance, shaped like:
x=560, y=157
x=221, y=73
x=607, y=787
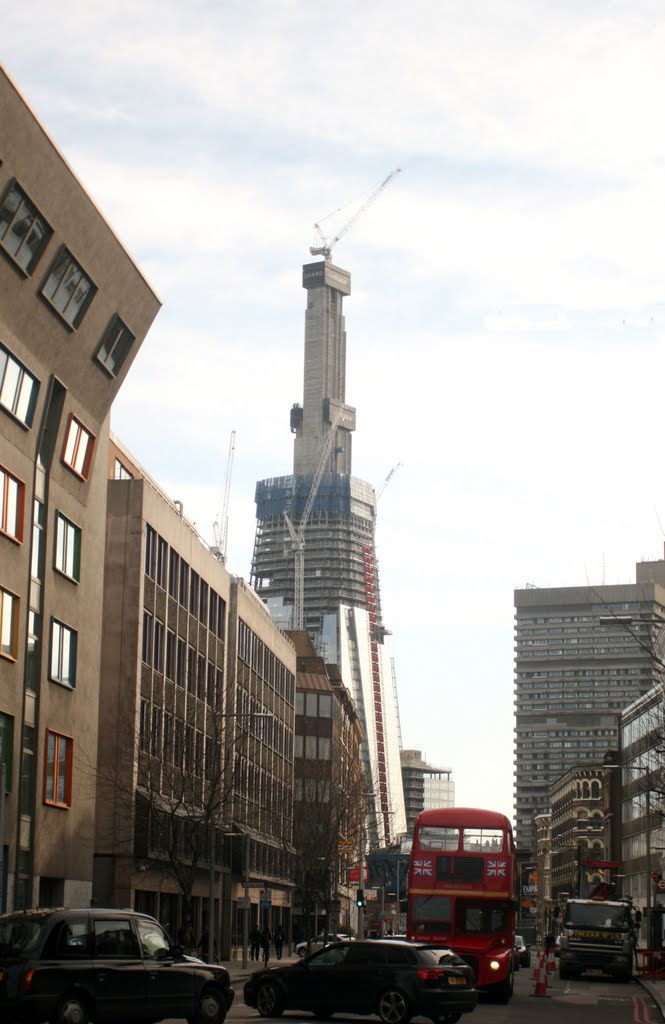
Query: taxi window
x=154, y=942
x=114, y=937
x=68, y=940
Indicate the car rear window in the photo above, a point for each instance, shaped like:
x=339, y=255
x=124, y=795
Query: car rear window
x=431, y=955
x=400, y=955
x=20, y=934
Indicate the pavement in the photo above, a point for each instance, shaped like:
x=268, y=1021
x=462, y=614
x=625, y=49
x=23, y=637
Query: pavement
x=238, y=973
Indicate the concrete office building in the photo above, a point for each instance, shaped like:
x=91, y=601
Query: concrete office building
x=198, y=699
x=74, y=310
x=340, y=584
x=582, y=654
x=425, y=787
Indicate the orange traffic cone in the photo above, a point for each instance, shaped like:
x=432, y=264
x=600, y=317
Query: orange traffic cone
x=541, y=983
x=551, y=963
x=537, y=965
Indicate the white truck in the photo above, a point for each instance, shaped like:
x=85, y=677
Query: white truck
x=597, y=935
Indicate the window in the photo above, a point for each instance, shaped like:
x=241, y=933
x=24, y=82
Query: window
x=7, y=748
x=193, y=592
x=146, y=644
x=120, y=471
x=150, y=551
x=144, y=725
x=12, y=503
x=115, y=346
x=58, y=770
x=160, y=575
x=18, y=388
x=68, y=289
x=203, y=602
x=156, y=732
x=159, y=646
x=8, y=624
x=63, y=654
x=170, y=654
x=174, y=565
x=77, y=451
x=67, y=559
x=23, y=231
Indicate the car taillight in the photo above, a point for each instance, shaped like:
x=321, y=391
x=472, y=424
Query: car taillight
x=430, y=973
x=27, y=979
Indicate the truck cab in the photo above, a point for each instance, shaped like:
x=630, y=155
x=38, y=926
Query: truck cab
x=597, y=935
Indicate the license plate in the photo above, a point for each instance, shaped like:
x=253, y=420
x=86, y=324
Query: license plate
x=457, y=981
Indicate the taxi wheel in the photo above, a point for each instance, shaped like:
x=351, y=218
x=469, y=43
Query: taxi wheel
x=71, y=1010
x=269, y=1000
x=393, y=1007
x=211, y=1009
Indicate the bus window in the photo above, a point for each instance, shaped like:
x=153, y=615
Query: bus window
x=432, y=837
x=431, y=914
x=473, y=918
x=483, y=840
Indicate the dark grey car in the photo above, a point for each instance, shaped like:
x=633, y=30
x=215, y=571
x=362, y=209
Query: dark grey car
x=72, y=966
x=392, y=979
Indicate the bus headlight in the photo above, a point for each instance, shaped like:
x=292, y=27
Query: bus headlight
x=495, y=965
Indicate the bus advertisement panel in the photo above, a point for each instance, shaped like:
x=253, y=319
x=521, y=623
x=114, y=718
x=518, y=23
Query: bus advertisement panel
x=463, y=890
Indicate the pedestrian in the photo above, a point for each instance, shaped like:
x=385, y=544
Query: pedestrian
x=266, y=939
x=254, y=943
x=279, y=941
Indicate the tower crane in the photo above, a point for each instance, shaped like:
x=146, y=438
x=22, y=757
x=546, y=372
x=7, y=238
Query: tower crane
x=221, y=530
x=325, y=246
x=297, y=533
x=387, y=480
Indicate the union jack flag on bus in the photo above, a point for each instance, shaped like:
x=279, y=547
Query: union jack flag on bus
x=422, y=867
x=496, y=869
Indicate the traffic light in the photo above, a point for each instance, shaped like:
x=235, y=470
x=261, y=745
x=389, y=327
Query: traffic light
x=360, y=898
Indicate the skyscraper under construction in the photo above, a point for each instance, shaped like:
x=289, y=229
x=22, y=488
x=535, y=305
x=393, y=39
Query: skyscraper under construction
x=314, y=560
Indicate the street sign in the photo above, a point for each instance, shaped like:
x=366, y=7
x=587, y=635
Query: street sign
x=660, y=885
x=244, y=902
x=265, y=904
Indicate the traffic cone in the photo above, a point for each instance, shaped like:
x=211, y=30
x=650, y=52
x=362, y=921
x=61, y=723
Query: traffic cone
x=541, y=983
x=537, y=965
x=551, y=963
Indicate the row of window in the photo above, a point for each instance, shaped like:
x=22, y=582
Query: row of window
x=313, y=705
x=170, y=571
x=58, y=760
x=254, y=653
x=180, y=661
x=63, y=641
x=67, y=288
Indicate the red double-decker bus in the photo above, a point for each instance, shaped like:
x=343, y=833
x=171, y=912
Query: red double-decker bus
x=463, y=890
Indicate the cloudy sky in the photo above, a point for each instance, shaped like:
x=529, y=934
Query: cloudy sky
x=505, y=328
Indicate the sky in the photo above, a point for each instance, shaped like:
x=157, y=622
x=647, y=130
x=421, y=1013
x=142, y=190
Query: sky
x=505, y=331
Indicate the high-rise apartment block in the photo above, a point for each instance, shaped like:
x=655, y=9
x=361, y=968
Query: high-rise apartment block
x=74, y=310
x=340, y=582
x=582, y=654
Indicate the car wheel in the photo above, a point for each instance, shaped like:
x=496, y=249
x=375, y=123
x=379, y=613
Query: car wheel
x=393, y=1007
x=269, y=1000
x=71, y=1010
x=211, y=1009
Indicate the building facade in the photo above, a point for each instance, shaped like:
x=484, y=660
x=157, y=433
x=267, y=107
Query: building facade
x=582, y=655
x=332, y=516
x=74, y=310
x=329, y=798
x=195, y=758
